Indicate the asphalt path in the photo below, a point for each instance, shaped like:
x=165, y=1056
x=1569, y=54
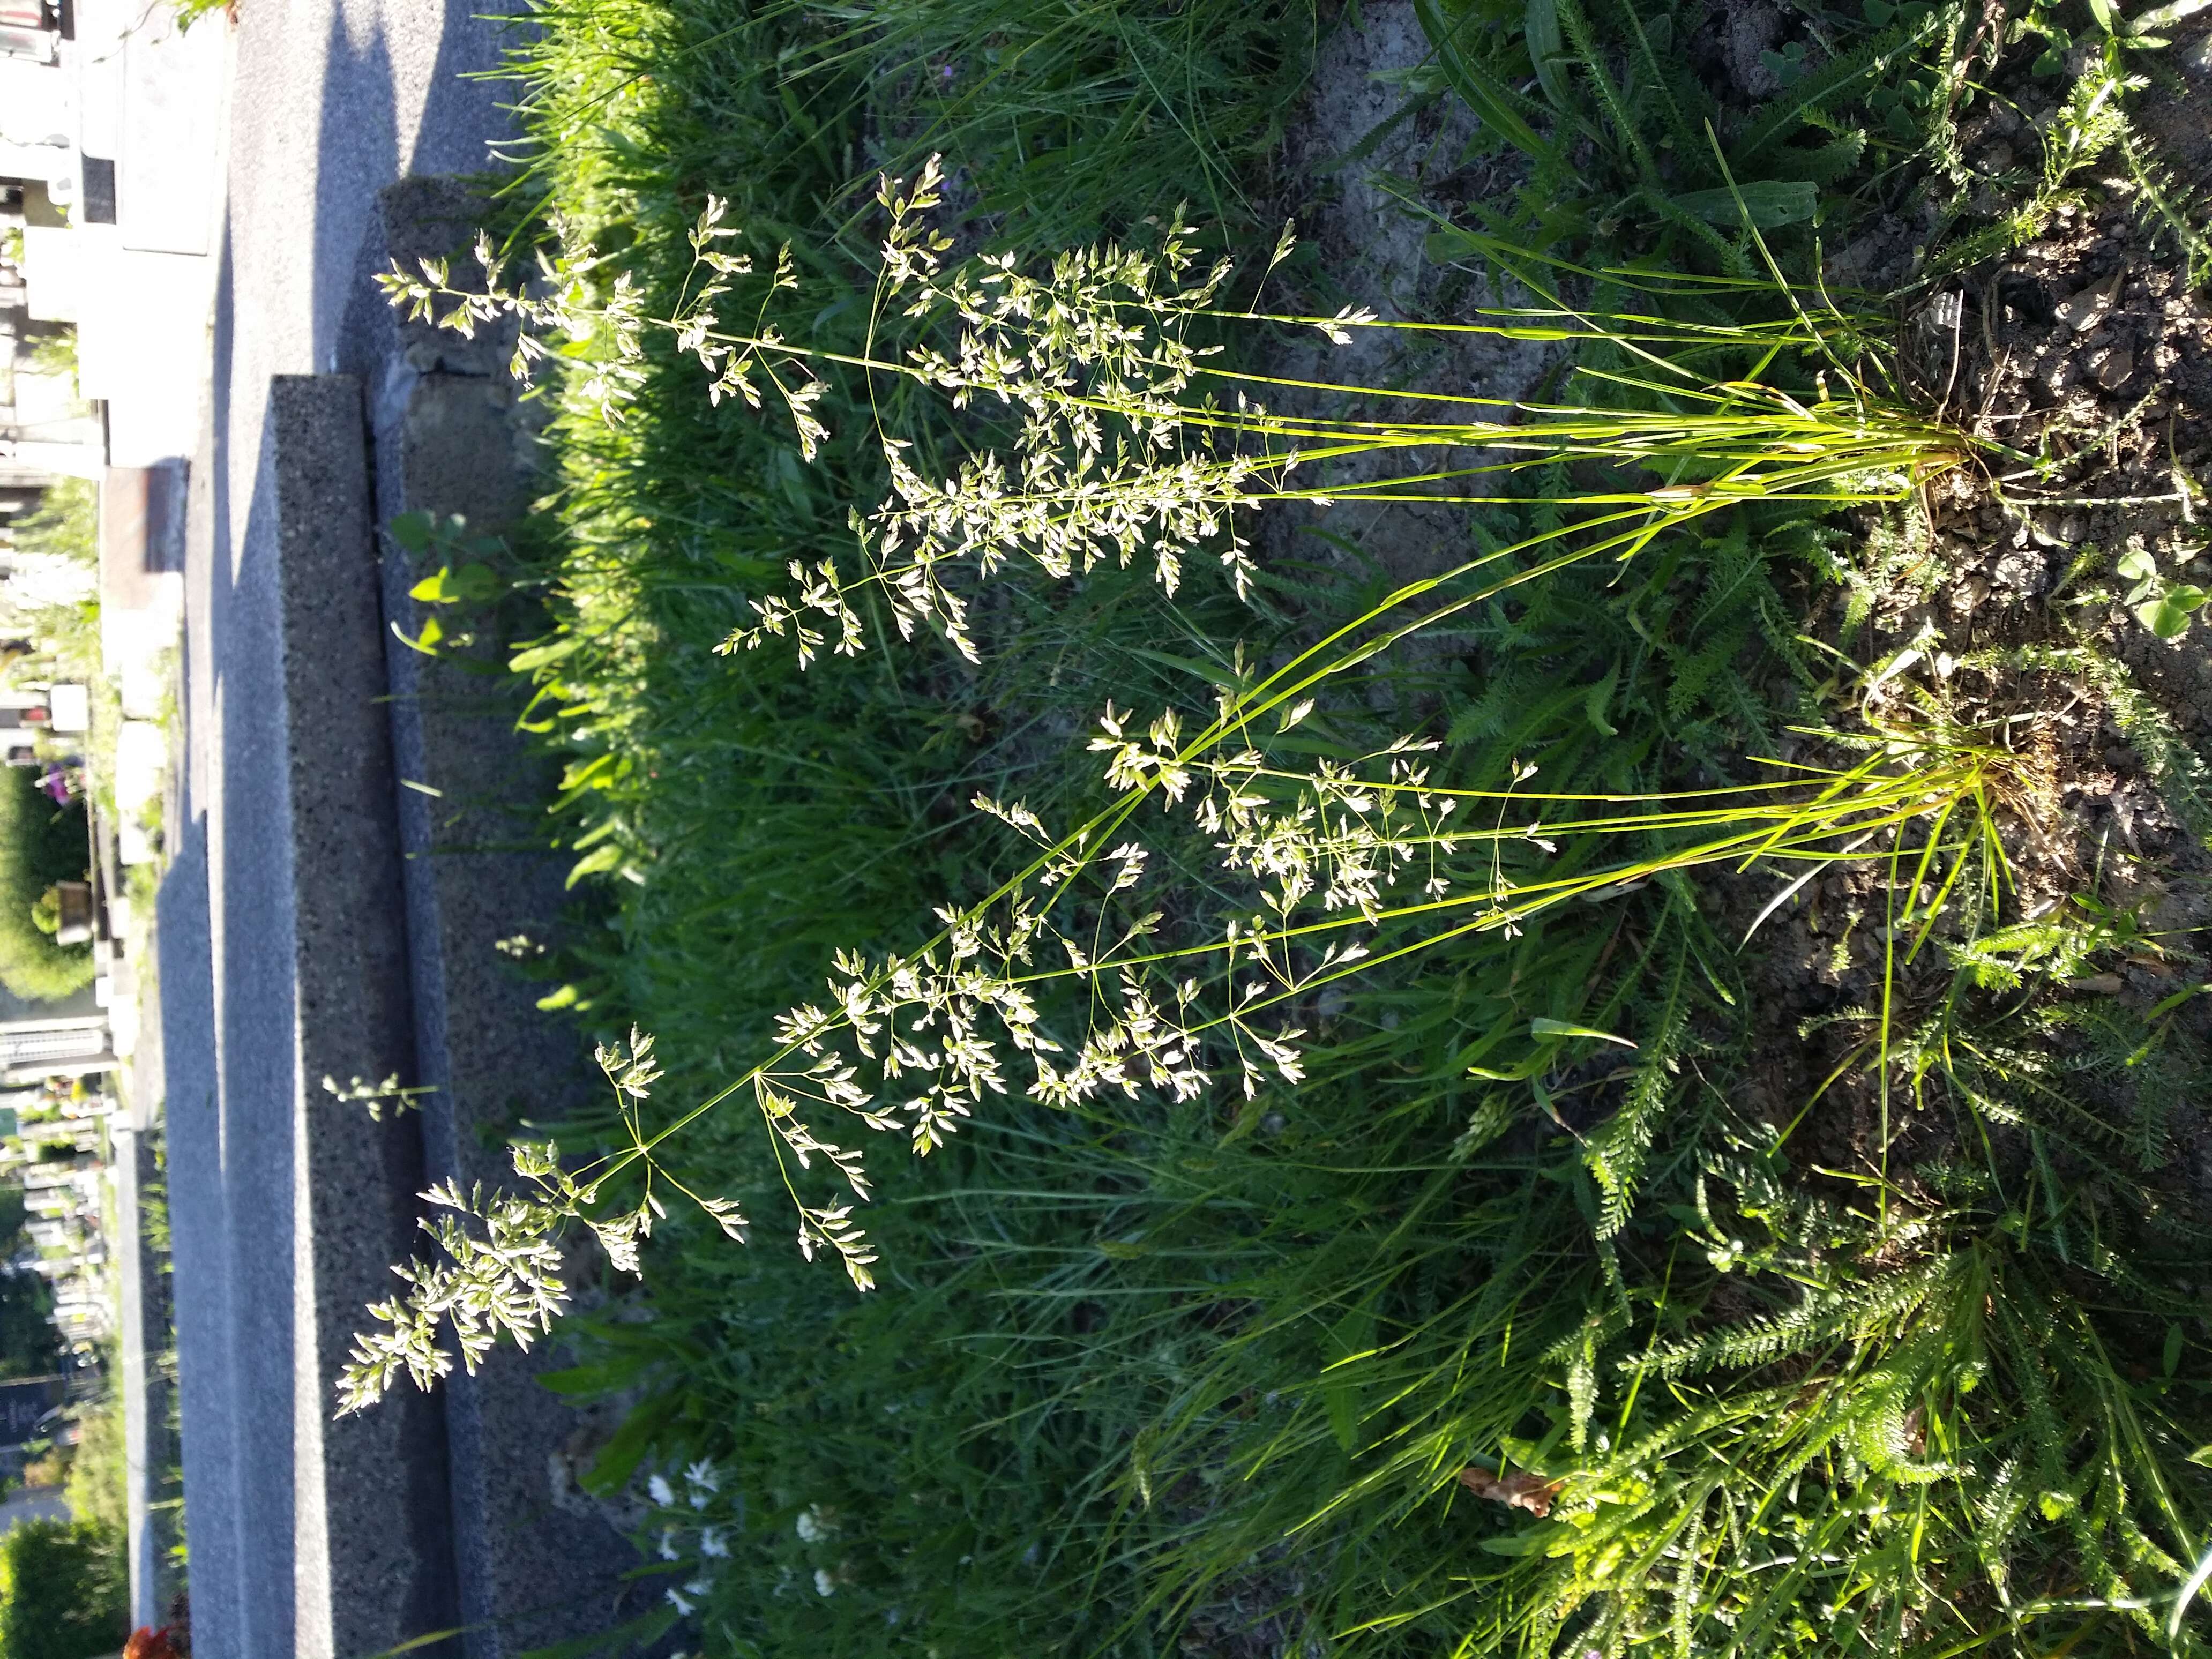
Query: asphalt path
x=329, y=101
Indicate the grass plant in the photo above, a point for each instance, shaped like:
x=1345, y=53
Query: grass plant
x=1125, y=452
x=1399, y=1255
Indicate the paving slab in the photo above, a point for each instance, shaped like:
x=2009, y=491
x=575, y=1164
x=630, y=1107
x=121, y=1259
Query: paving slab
x=310, y=1536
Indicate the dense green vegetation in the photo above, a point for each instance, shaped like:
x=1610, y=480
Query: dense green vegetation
x=98, y=1488
x=1546, y=1304
x=65, y=529
x=61, y=1591
x=40, y=843
x=29, y=1344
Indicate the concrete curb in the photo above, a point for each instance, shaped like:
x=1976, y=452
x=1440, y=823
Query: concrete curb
x=310, y=1537
x=355, y=935
x=371, y=1527
x=538, y=1564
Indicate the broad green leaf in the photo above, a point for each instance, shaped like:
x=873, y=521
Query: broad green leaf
x=475, y=583
x=1491, y=100
x=2165, y=16
x=2170, y=1004
x=1533, y=1539
x=602, y=1376
x=538, y=656
x=599, y=859
x=618, y=1459
x=2168, y=615
x=1770, y=203
x=412, y=531
x=1547, y=51
x=1211, y=673
x=472, y=584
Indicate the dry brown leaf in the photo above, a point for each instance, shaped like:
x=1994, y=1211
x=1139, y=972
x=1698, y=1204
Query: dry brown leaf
x=1524, y=1489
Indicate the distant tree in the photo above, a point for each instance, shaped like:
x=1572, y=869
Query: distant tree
x=97, y=1489
x=52, y=592
x=63, y=1591
x=29, y=1344
x=66, y=523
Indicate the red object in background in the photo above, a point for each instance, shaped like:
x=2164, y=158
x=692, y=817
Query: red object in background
x=145, y=1643
x=23, y=15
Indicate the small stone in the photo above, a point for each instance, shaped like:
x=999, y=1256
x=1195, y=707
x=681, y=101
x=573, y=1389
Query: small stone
x=2087, y=306
x=1995, y=158
x=2109, y=984
x=2114, y=367
x=2022, y=572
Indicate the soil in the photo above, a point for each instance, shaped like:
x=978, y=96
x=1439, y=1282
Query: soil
x=1366, y=221
x=2087, y=344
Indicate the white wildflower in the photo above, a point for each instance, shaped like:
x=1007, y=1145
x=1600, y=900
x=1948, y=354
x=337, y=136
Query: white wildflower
x=702, y=1482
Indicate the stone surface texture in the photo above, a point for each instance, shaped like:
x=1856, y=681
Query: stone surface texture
x=287, y=1207
x=310, y=1536
x=481, y=871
